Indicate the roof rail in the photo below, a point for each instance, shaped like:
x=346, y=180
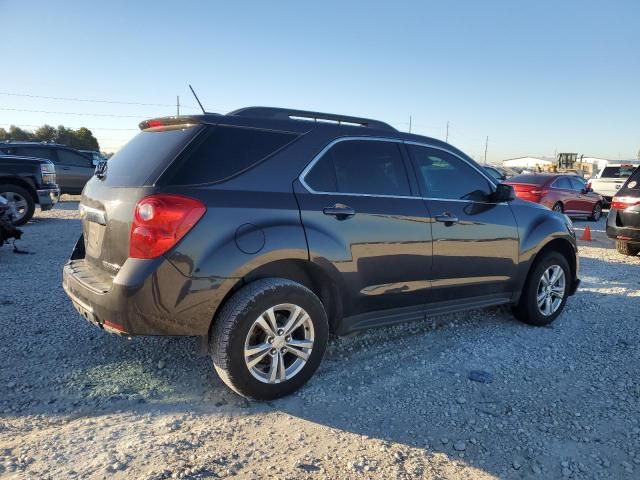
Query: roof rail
x=290, y=114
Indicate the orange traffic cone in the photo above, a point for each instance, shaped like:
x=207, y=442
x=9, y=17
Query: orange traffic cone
x=587, y=234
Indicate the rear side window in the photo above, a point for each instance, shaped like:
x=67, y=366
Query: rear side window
x=67, y=157
x=363, y=167
x=146, y=155
x=222, y=152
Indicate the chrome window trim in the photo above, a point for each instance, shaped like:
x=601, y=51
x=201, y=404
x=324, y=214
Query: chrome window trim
x=317, y=158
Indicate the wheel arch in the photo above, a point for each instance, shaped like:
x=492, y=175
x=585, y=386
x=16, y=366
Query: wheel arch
x=560, y=245
x=304, y=272
x=21, y=182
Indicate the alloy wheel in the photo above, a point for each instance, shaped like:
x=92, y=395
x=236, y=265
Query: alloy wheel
x=279, y=343
x=19, y=204
x=551, y=290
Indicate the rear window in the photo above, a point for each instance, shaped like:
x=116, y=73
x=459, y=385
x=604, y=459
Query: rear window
x=617, y=172
x=141, y=160
x=532, y=179
x=222, y=152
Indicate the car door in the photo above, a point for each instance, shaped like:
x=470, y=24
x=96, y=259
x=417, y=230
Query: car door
x=361, y=215
x=77, y=169
x=584, y=200
x=475, y=240
x=567, y=195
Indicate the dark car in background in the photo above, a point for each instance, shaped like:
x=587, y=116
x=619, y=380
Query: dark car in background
x=623, y=221
x=26, y=182
x=499, y=174
x=263, y=230
x=73, y=168
x=563, y=193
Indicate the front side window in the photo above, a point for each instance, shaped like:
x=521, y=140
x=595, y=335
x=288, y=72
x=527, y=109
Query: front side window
x=562, y=183
x=445, y=176
x=576, y=184
x=368, y=167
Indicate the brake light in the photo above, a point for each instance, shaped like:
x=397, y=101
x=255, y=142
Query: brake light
x=160, y=221
x=622, y=203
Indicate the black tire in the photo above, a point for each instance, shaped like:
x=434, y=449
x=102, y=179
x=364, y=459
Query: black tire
x=6, y=190
x=527, y=309
x=625, y=248
x=596, y=213
x=234, y=322
x=557, y=207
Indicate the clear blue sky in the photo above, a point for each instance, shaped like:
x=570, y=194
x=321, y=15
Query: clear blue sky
x=534, y=76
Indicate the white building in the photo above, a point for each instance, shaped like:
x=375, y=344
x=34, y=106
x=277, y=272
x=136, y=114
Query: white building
x=526, y=162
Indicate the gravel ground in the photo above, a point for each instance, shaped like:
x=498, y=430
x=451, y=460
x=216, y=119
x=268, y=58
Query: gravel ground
x=473, y=395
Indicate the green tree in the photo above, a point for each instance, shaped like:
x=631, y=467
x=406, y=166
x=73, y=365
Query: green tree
x=45, y=133
x=17, y=133
x=82, y=138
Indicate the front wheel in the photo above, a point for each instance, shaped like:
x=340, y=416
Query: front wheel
x=269, y=338
x=596, y=213
x=545, y=292
x=558, y=207
x=21, y=200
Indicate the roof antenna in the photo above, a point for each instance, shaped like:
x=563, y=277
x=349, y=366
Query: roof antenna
x=197, y=99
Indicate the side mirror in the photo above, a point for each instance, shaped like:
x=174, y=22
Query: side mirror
x=503, y=193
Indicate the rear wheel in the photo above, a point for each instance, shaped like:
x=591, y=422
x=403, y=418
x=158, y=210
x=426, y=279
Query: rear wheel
x=558, y=207
x=21, y=201
x=545, y=292
x=596, y=213
x=269, y=338
x=625, y=248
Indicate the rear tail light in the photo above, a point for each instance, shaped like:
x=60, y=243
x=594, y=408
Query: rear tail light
x=622, y=203
x=160, y=221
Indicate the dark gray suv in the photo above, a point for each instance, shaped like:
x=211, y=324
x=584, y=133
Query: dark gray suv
x=263, y=230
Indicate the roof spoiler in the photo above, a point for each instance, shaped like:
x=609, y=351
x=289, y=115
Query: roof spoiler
x=170, y=121
x=305, y=115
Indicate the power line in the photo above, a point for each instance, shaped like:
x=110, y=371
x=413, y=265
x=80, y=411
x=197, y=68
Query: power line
x=90, y=128
x=77, y=113
x=72, y=99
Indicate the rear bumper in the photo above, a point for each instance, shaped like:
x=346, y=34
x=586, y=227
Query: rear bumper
x=48, y=197
x=146, y=297
x=617, y=232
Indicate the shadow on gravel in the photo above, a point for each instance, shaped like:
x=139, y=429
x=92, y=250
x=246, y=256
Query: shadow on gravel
x=390, y=384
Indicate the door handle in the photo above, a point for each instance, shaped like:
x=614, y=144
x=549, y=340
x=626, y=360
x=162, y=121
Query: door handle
x=65, y=168
x=340, y=211
x=447, y=219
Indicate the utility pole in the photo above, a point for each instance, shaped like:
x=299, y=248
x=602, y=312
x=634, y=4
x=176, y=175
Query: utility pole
x=409, y=123
x=486, y=146
x=447, y=137
x=178, y=104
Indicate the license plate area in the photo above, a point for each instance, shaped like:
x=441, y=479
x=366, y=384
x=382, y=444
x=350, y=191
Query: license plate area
x=93, y=238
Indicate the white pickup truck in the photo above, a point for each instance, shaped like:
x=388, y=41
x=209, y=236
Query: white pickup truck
x=611, y=178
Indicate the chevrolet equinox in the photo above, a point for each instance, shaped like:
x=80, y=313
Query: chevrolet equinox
x=264, y=230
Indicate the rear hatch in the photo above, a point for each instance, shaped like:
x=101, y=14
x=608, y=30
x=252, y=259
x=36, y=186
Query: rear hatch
x=109, y=198
x=627, y=203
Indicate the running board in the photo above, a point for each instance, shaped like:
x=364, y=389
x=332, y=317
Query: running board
x=383, y=318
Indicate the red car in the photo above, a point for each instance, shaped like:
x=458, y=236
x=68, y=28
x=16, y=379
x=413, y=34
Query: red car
x=563, y=193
